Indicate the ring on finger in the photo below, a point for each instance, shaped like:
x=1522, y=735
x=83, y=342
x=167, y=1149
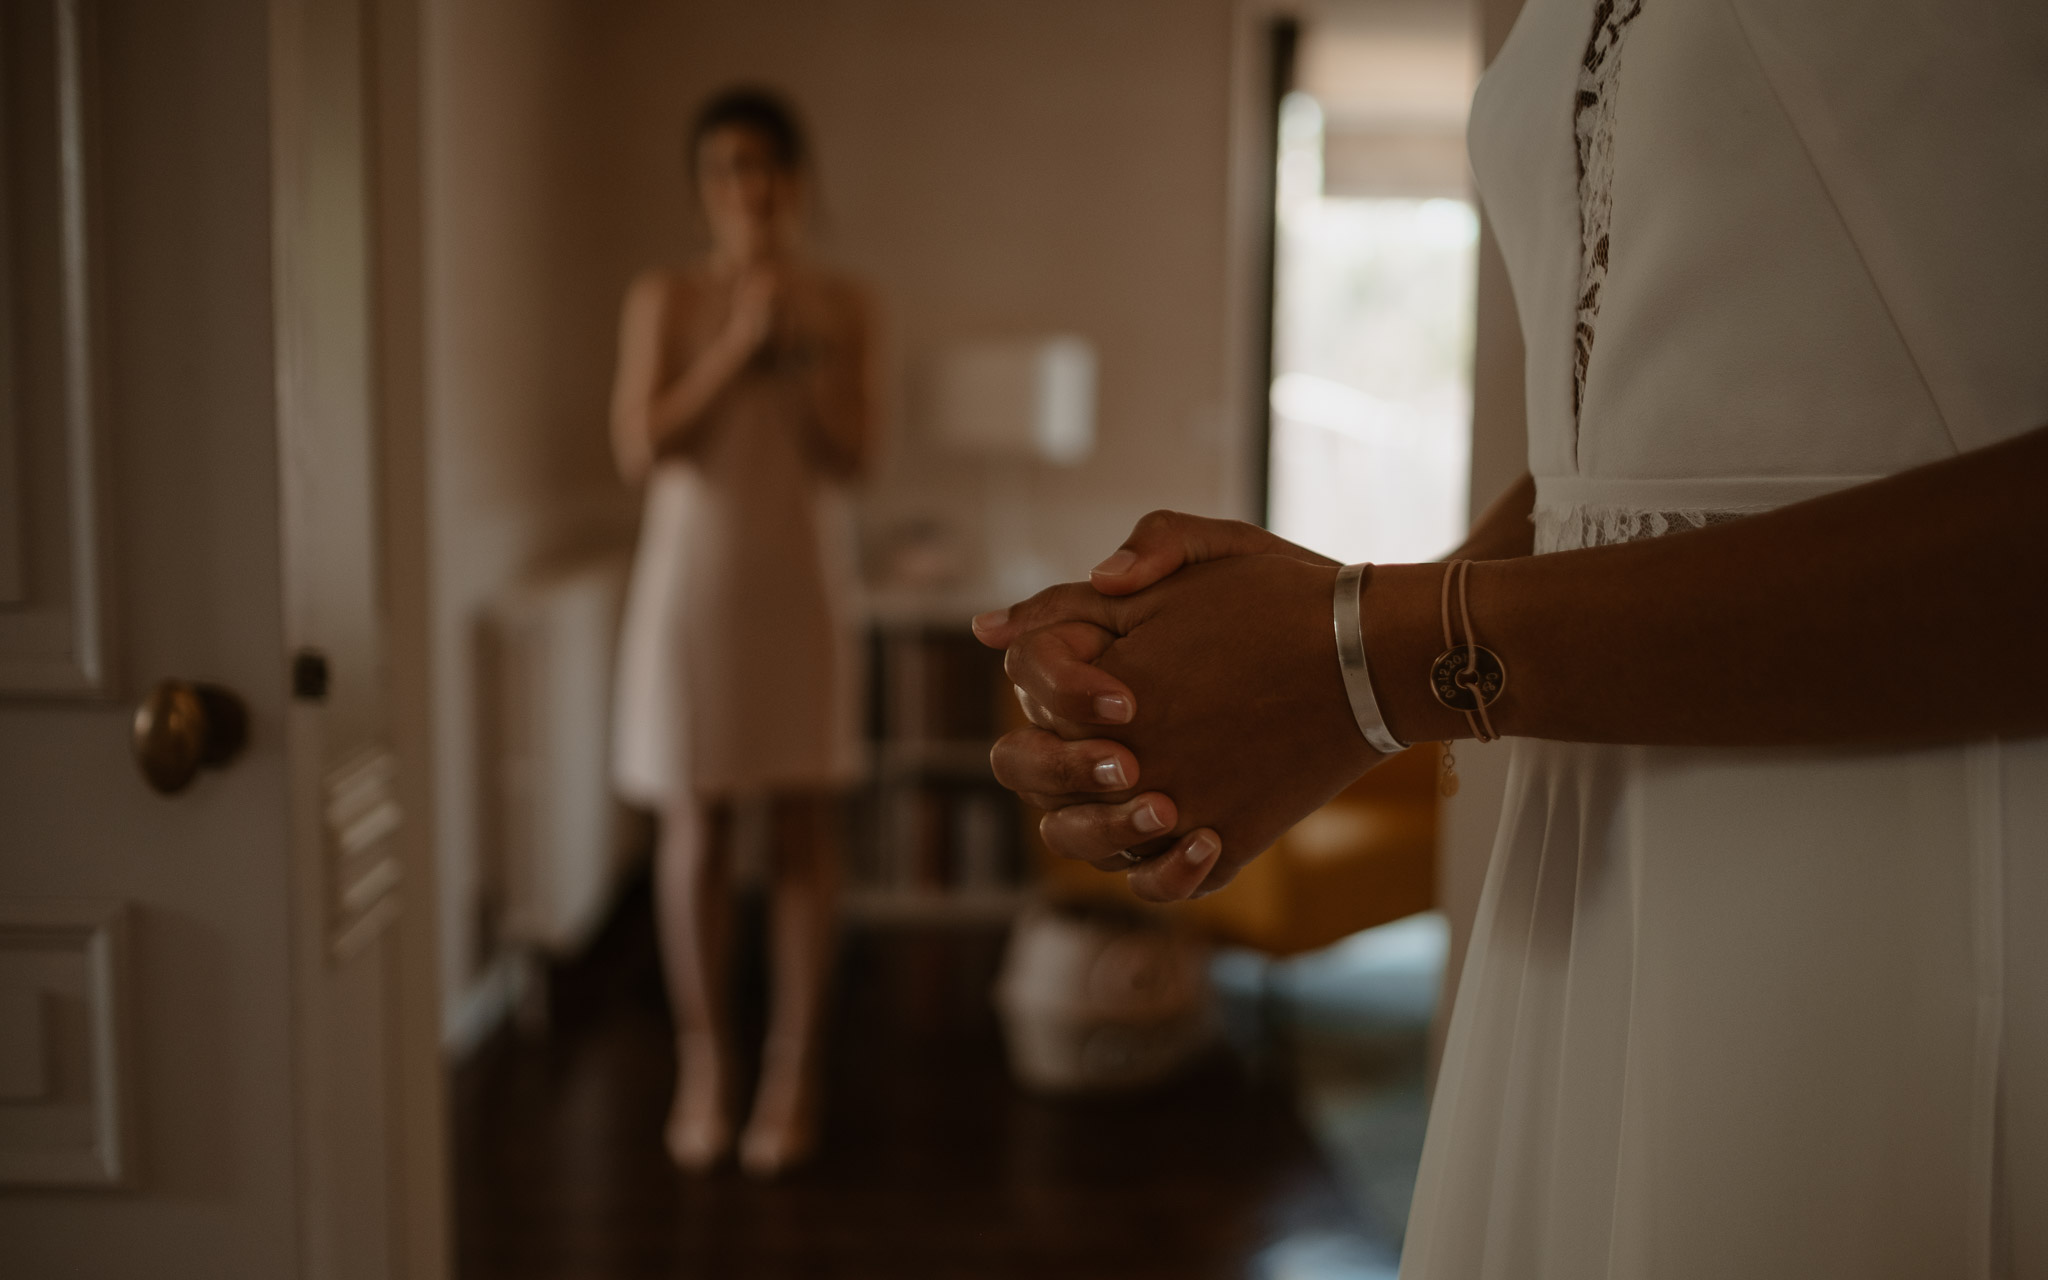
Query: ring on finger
x=1125, y=859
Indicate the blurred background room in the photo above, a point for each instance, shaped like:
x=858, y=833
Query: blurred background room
x=1249, y=235
x=1220, y=256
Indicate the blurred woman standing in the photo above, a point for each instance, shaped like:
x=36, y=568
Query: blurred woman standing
x=745, y=402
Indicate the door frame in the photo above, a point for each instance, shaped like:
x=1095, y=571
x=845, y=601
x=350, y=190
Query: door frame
x=418, y=1186
x=1264, y=35
x=423, y=1177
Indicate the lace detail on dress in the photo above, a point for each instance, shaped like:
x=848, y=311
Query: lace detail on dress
x=1593, y=123
x=1573, y=527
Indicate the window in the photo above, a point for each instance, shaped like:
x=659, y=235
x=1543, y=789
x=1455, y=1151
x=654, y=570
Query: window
x=1376, y=251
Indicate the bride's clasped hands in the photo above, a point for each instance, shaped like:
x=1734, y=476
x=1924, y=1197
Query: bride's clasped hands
x=1186, y=703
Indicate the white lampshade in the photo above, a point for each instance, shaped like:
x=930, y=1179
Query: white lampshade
x=1024, y=398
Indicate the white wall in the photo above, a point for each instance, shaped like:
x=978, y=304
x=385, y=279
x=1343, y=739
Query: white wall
x=495, y=428
x=997, y=167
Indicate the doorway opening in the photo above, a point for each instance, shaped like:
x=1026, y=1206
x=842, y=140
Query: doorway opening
x=1369, y=410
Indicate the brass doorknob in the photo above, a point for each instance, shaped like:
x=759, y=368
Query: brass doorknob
x=183, y=727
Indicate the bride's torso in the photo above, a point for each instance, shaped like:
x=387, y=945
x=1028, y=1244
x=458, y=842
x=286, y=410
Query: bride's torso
x=1785, y=310
x=1754, y=1013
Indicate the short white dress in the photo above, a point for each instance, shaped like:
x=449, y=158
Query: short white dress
x=739, y=666
x=1767, y=1015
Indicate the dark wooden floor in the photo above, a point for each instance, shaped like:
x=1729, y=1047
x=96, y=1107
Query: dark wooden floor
x=933, y=1164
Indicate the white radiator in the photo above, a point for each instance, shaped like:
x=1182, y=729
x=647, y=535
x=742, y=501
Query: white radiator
x=562, y=840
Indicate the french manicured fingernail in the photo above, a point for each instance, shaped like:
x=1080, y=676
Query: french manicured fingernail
x=1112, y=708
x=1202, y=847
x=1116, y=564
x=989, y=621
x=1110, y=773
x=1147, y=819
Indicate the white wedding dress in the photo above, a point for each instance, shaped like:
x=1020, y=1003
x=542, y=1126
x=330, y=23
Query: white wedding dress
x=1758, y=1015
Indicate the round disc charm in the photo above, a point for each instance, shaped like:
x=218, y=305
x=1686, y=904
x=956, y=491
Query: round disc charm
x=1461, y=689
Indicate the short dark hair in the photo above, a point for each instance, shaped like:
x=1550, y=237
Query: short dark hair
x=762, y=111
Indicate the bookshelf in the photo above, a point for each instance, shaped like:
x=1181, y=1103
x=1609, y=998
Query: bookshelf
x=936, y=839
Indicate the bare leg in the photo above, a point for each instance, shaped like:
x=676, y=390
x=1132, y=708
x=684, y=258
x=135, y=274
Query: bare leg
x=694, y=914
x=803, y=923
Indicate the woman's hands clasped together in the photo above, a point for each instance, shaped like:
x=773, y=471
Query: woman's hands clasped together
x=1186, y=702
x=1188, y=699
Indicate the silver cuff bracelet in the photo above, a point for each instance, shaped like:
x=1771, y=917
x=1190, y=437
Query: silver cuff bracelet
x=1351, y=661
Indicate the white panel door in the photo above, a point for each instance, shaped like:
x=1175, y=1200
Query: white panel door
x=199, y=1058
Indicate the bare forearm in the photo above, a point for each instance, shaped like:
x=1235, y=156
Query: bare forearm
x=676, y=417
x=1907, y=610
x=652, y=413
